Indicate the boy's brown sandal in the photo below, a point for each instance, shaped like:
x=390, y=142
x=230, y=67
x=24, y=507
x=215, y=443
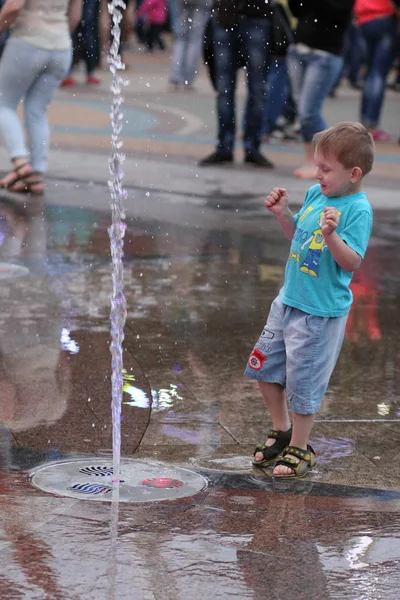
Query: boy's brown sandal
x=300, y=467
x=271, y=453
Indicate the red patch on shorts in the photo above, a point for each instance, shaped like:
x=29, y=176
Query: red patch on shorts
x=256, y=360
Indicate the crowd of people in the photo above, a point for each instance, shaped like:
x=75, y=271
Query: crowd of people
x=294, y=54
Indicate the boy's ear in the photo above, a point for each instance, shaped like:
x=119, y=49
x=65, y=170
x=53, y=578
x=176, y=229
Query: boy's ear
x=356, y=174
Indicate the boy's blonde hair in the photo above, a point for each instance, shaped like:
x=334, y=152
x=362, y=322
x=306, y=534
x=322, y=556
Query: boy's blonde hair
x=350, y=143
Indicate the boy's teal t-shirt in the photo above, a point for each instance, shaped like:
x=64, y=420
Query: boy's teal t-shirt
x=314, y=282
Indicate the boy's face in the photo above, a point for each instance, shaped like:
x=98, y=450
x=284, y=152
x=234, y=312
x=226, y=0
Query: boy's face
x=334, y=179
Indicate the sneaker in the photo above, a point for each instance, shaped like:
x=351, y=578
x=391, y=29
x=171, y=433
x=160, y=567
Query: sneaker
x=283, y=134
x=68, y=82
x=258, y=160
x=219, y=157
x=277, y=134
x=92, y=80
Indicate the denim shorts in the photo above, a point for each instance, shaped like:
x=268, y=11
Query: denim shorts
x=299, y=351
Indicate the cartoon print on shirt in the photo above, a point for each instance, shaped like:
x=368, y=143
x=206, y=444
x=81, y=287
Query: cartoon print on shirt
x=296, y=256
x=316, y=246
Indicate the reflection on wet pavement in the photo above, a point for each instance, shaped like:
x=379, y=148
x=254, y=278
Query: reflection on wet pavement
x=197, y=298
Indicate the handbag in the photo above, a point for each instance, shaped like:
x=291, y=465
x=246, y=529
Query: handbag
x=282, y=35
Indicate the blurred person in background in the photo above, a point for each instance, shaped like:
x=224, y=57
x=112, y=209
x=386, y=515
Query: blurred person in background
x=36, y=58
x=353, y=56
x=85, y=41
x=192, y=16
x=378, y=23
x=3, y=36
x=353, y=59
x=278, y=102
x=155, y=15
x=315, y=62
x=241, y=33
x=139, y=23
x=173, y=15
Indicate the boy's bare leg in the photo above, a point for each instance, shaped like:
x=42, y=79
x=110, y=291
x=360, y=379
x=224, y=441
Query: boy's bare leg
x=307, y=169
x=302, y=425
x=274, y=400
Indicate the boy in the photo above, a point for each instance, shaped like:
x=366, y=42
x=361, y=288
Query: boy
x=301, y=341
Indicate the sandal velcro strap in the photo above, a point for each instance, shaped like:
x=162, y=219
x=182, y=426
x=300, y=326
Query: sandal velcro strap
x=273, y=433
x=294, y=451
x=260, y=448
x=299, y=452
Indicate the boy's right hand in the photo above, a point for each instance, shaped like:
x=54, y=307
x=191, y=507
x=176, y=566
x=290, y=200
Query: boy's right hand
x=277, y=201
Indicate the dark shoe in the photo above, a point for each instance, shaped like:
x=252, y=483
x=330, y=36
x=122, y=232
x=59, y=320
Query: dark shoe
x=271, y=453
x=217, y=158
x=258, y=160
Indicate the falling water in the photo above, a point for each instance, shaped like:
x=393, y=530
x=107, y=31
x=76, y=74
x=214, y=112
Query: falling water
x=116, y=232
x=118, y=303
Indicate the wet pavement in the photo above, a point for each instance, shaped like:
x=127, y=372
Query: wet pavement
x=203, y=261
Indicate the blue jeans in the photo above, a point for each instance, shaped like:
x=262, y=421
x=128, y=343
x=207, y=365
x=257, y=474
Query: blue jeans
x=249, y=37
x=276, y=94
x=379, y=37
x=190, y=25
x=86, y=39
x=353, y=54
x=312, y=76
x=33, y=74
x=172, y=15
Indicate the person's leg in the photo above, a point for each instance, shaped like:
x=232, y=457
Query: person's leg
x=274, y=399
x=355, y=56
x=277, y=93
x=20, y=64
x=197, y=26
x=320, y=73
x=157, y=36
x=267, y=365
x=380, y=39
x=36, y=102
x=177, y=73
x=255, y=36
x=312, y=345
x=148, y=35
x=226, y=49
x=90, y=38
x=173, y=15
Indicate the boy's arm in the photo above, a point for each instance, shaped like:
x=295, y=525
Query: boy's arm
x=346, y=258
x=277, y=203
x=286, y=220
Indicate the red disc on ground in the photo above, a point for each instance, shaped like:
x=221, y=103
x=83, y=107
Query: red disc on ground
x=163, y=482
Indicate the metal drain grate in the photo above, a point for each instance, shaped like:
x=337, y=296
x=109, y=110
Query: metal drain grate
x=90, y=488
x=98, y=470
x=140, y=481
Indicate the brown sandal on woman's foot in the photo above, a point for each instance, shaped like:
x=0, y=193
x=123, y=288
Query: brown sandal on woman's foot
x=301, y=467
x=15, y=174
x=271, y=453
x=31, y=183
